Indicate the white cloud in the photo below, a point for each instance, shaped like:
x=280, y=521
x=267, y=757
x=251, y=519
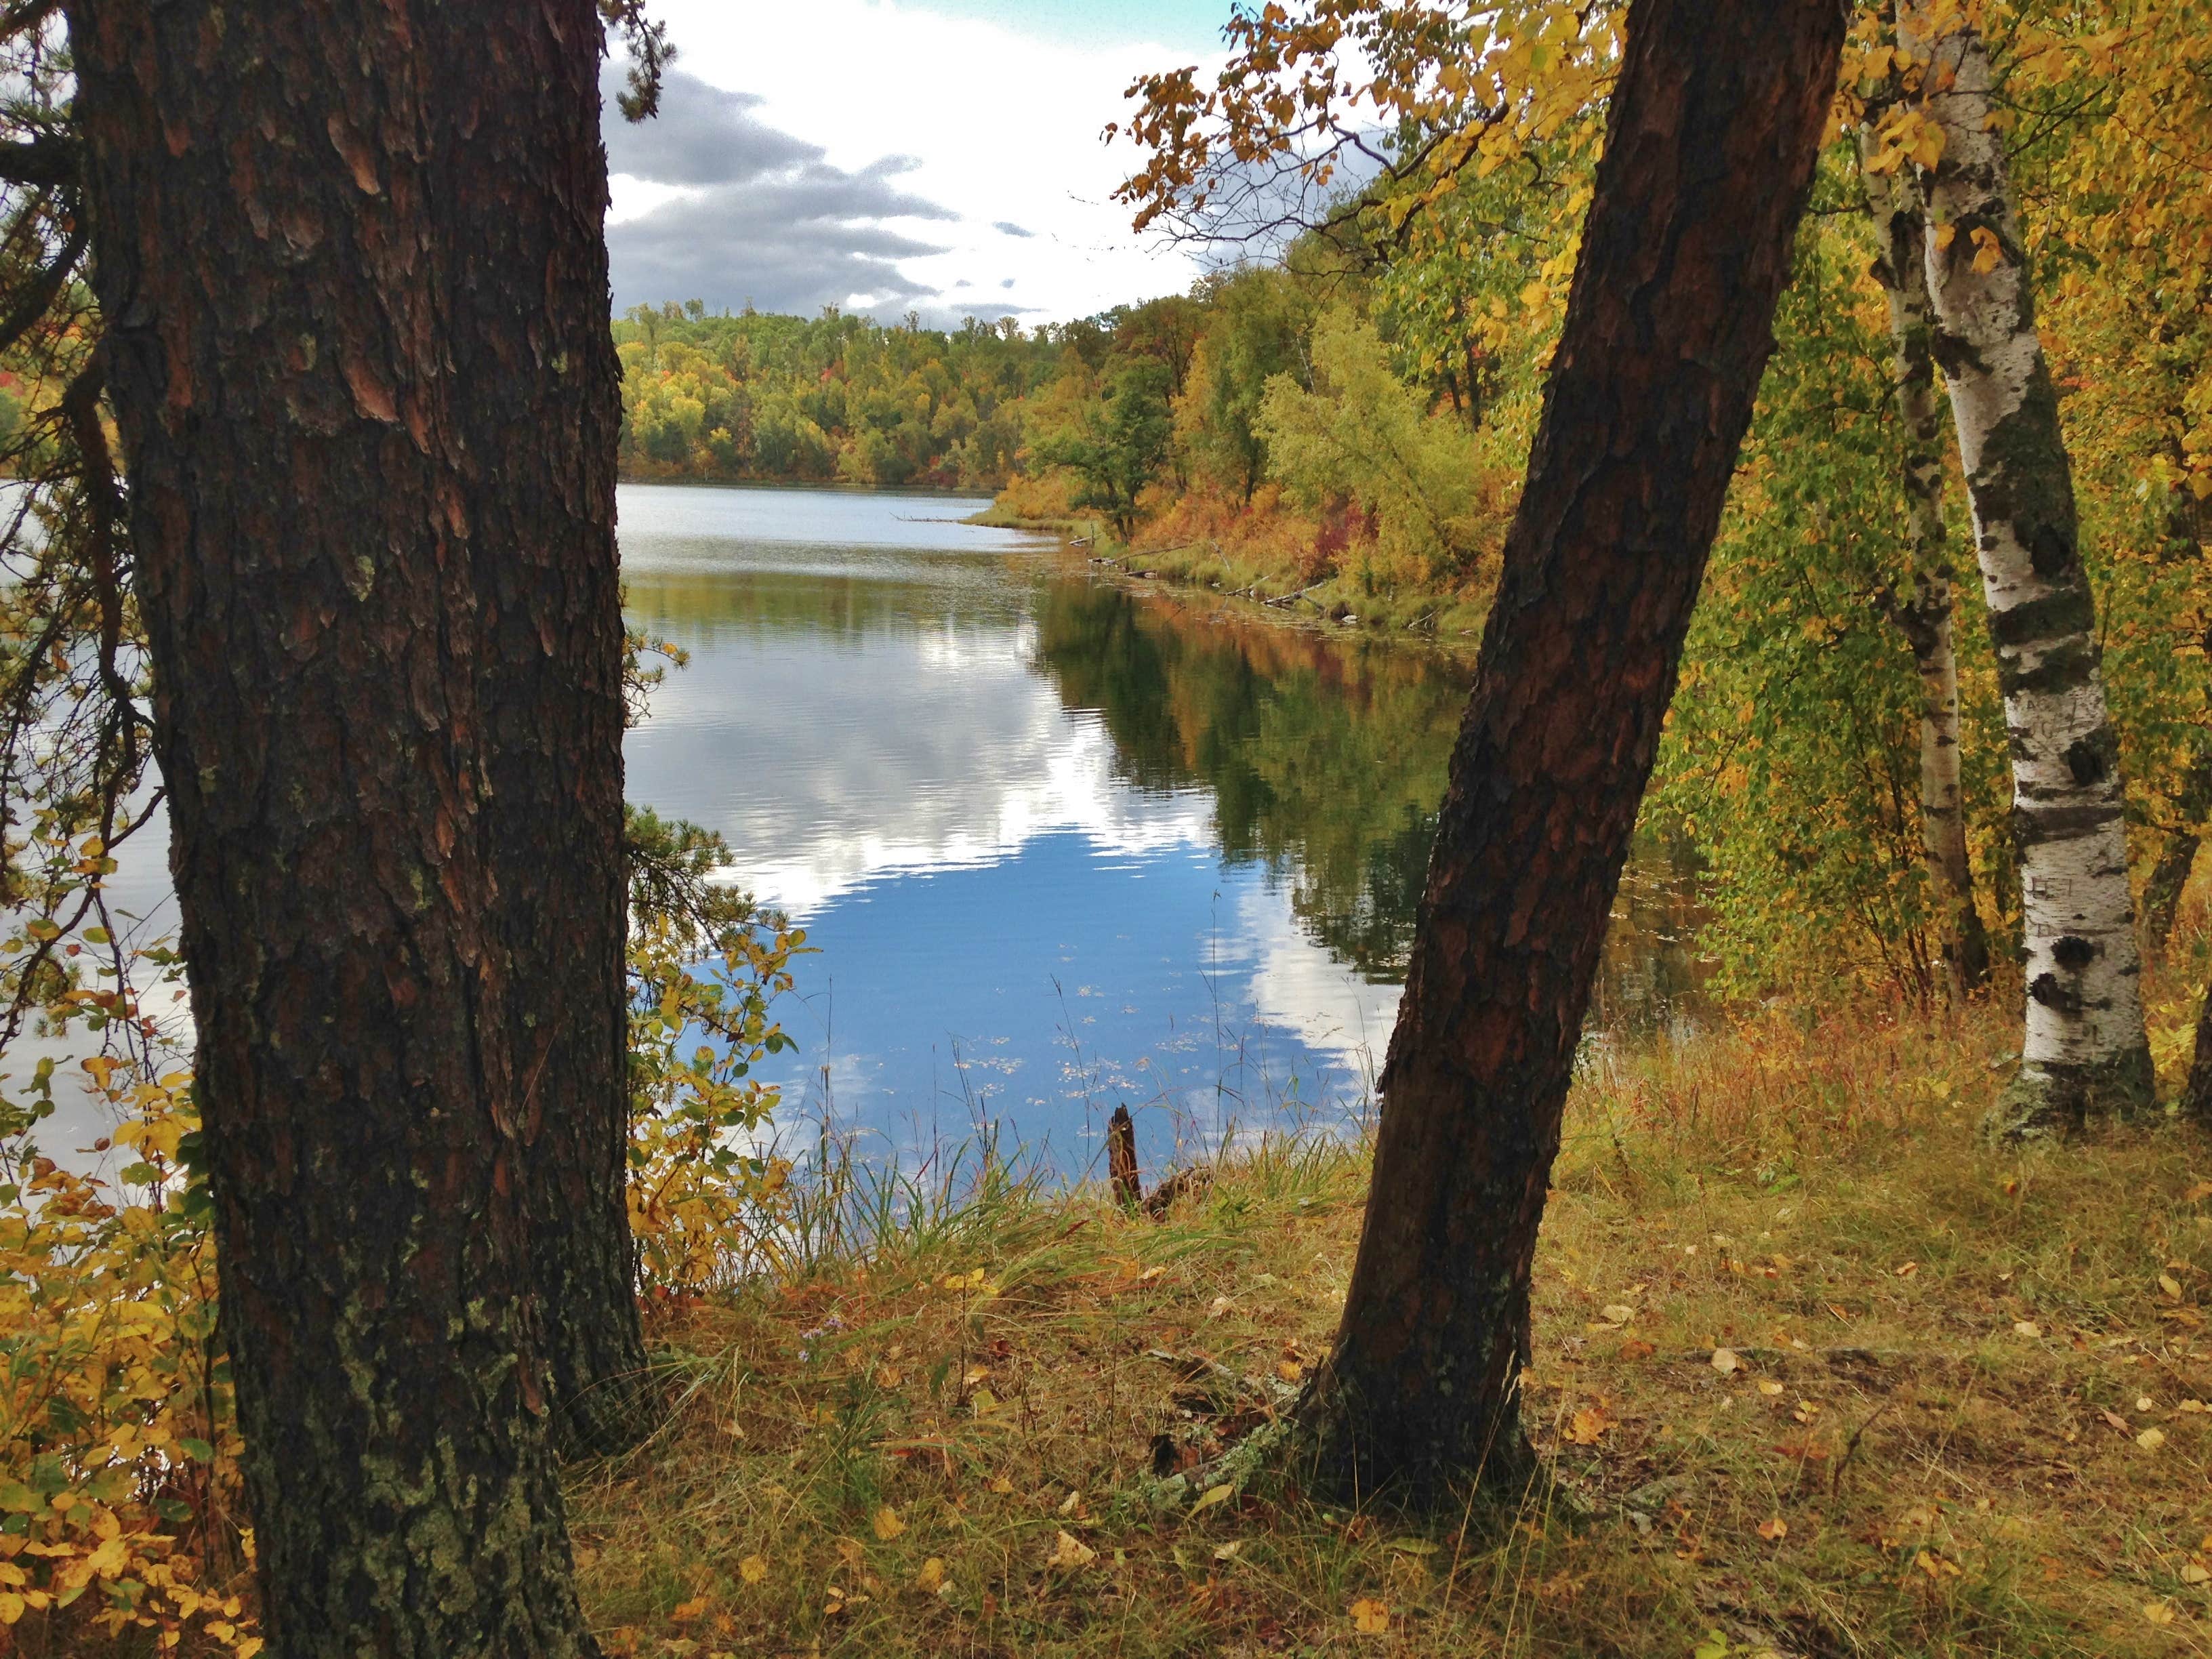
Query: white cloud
x=1001, y=129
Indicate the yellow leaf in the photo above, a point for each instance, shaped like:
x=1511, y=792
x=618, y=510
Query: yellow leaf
x=2193, y=1574
x=887, y=1524
x=1908, y=1270
x=975, y=1373
x=1289, y=1369
x=1588, y=1425
x=1943, y=235
x=2151, y=1439
x=753, y=1569
x=11, y=1607
x=1070, y=1551
x=1211, y=1496
x=1725, y=1361
x=2027, y=1328
x=1000, y=1485
x=1774, y=1529
x=2171, y=1286
x=931, y=1578
x=1370, y=1616
x=1769, y=1387
x=2159, y=1613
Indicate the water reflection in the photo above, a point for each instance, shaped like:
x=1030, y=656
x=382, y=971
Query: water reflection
x=1060, y=845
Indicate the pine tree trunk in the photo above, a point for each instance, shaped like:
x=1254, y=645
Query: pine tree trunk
x=2084, y=1050
x=348, y=259
x=2196, y=1099
x=1925, y=619
x=1715, y=126
x=537, y=387
x=2169, y=877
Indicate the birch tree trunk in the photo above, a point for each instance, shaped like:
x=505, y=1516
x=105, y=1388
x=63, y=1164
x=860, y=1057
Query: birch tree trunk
x=1899, y=220
x=2084, y=1050
x=1713, y=130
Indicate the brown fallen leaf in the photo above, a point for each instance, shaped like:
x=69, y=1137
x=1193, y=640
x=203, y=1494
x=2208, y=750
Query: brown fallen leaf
x=1774, y=1529
x=1588, y=1425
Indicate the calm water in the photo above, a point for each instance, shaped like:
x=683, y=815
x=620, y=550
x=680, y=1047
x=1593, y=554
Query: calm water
x=1059, y=846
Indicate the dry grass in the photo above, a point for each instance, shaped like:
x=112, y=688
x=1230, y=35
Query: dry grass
x=1938, y=1439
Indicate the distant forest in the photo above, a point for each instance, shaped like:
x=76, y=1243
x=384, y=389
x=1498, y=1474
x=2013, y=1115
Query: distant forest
x=834, y=398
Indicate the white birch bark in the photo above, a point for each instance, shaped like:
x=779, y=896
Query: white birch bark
x=1900, y=215
x=2084, y=1049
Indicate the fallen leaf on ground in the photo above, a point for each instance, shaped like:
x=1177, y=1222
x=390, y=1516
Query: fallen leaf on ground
x=1370, y=1616
x=1000, y=1485
x=1769, y=1387
x=1069, y=1551
x=684, y=1612
x=2027, y=1328
x=1588, y=1425
x=753, y=1569
x=1619, y=1312
x=975, y=1373
x=1228, y=1552
x=887, y=1523
x=931, y=1578
x=2151, y=1439
x=2193, y=1406
x=1724, y=1360
x=1211, y=1496
x=2159, y=1613
x=2170, y=1286
x=2201, y=1189
x=2193, y=1574
x=1774, y=1529
x=1908, y=1270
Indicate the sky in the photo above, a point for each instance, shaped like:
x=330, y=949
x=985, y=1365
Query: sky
x=942, y=156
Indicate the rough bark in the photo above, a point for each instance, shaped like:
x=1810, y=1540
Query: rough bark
x=349, y=259
x=2169, y=876
x=1925, y=618
x=536, y=387
x=1715, y=126
x=2084, y=1050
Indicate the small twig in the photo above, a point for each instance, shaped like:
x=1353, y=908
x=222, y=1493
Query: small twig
x=1852, y=1448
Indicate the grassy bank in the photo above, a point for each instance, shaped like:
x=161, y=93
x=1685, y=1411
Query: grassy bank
x=1264, y=554
x=1817, y=1373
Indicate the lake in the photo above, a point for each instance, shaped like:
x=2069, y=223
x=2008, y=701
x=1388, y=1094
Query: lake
x=1058, y=844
